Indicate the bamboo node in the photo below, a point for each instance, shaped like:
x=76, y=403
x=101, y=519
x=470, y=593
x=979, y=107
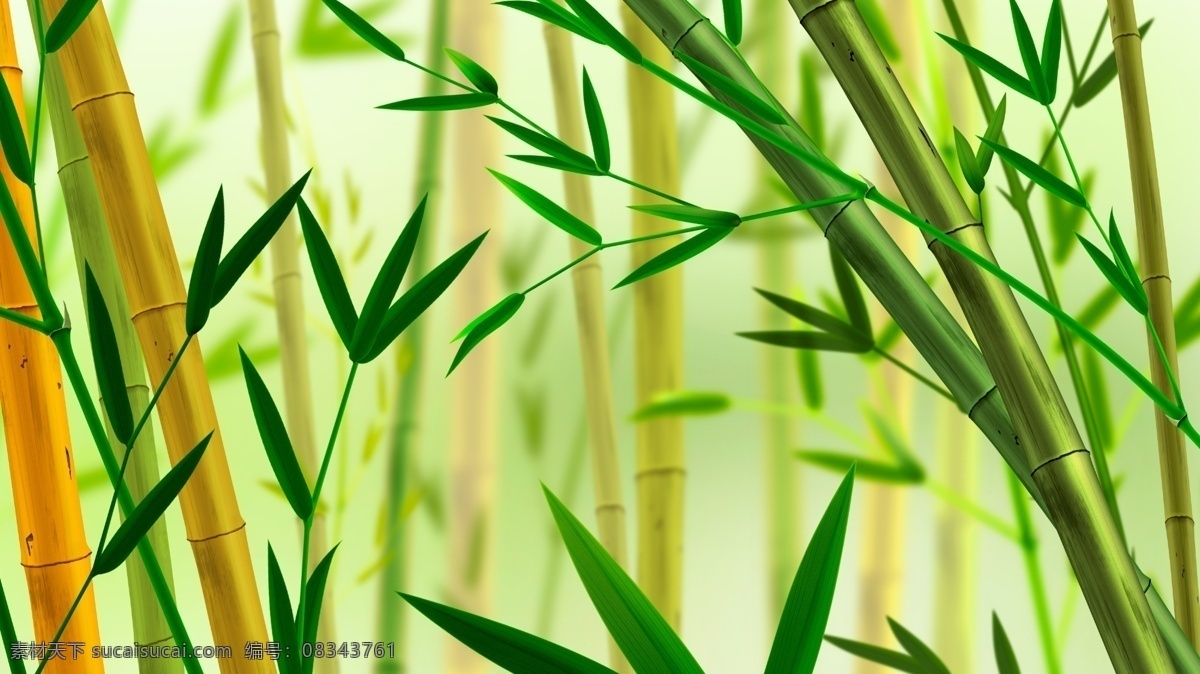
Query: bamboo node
x=97, y=97
x=646, y=472
x=684, y=34
x=1155, y=277
x=50, y=564
x=1056, y=458
x=154, y=307
x=975, y=404
x=216, y=536
x=952, y=232
x=821, y=4
x=71, y=162
x=837, y=215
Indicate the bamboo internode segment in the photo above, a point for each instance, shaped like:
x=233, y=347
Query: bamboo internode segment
x=107, y=118
x=54, y=548
x=1156, y=279
x=658, y=336
x=1060, y=464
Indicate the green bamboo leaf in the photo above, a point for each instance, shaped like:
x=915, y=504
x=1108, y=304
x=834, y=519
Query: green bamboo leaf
x=386, y=284
x=510, y=648
x=557, y=215
x=9, y=634
x=484, y=325
x=983, y=156
x=319, y=36
x=531, y=408
x=548, y=144
x=216, y=74
x=1124, y=261
x=476, y=74
x=894, y=444
x=551, y=12
x=813, y=316
x=66, y=22
x=641, y=633
x=1098, y=308
x=877, y=23
x=923, y=654
x=276, y=442
x=806, y=611
x=808, y=364
x=557, y=164
x=148, y=511
x=1038, y=175
x=1006, y=659
x=1052, y=50
x=204, y=270
x=1029, y=55
x=693, y=214
x=812, y=119
x=888, y=336
x=888, y=658
x=605, y=31
x=1065, y=219
x=365, y=30
x=764, y=110
x=865, y=469
x=683, y=403
x=806, y=339
x=1115, y=276
x=597, y=129
x=676, y=255
x=1097, y=393
x=314, y=597
x=243, y=253
x=732, y=10
x=1103, y=75
x=1002, y=73
x=283, y=623
x=441, y=103
x=967, y=163
x=107, y=358
x=12, y=138
x=328, y=274
x=1187, y=315
x=851, y=293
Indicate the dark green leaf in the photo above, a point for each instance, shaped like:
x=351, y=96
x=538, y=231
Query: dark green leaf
x=387, y=282
x=148, y=511
x=1039, y=175
x=204, y=271
x=484, y=325
x=733, y=20
x=676, y=255
x=811, y=118
x=597, y=129
x=968, y=163
x=1052, y=50
x=683, y=403
x=314, y=597
x=365, y=30
x=693, y=214
x=66, y=22
x=283, y=622
x=243, y=253
x=1115, y=276
x=764, y=110
x=808, y=364
x=1002, y=73
x=1006, y=659
x=551, y=12
x=865, y=469
x=476, y=74
x=1124, y=261
x=923, y=654
x=9, y=634
x=851, y=293
x=605, y=31
x=557, y=215
x=276, y=442
x=107, y=358
x=217, y=72
x=1103, y=75
x=329, y=278
x=806, y=611
x=983, y=156
x=557, y=164
x=888, y=658
x=1029, y=55
x=12, y=138
x=806, y=339
x=878, y=24
x=442, y=103
x=510, y=648
x=647, y=641
x=814, y=316
x=548, y=144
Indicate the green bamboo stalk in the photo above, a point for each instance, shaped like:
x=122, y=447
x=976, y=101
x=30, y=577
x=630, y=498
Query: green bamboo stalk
x=1156, y=279
x=1060, y=462
x=93, y=247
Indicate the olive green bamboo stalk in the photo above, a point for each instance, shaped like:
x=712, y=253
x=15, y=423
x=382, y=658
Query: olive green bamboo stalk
x=1060, y=463
x=93, y=247
x=658, y=337
x=1156, y=279
x=587, y=279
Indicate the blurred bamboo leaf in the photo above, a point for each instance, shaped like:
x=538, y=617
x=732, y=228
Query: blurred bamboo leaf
x=1037, y=174
x=557, y=215
x=220, y=61
x=740, y=95
x=1097, y=389
x=277, y=443
x=166, y=153
x=248, y=247
x=1065, y=220
x=387, y=283
x=224, y=361
x=107, y=359
x=1006, y=659
x=538, y=331
x=901, y=662
x=66, y=22
x=476, y=74
x=692, y=214
x=372, y=569
x=677, y=254
x=812, y=119
x=809, y=371
x=283, y=622
x=928, y=660
x=894, y=444
x=602, y=29
x=315, y=37
x=1103, y=75
x=878, y=25
x=330, y=282
x=1187, y=315
x=551, y=12
x=441, y=103
x=204, y=270
x=272, y=487
x=852, y=296
x=314, y=597
x=683, y=403
x=597, y=128
x=485, y=324
x=518, y=257
x=866, y=469
x=531, y=410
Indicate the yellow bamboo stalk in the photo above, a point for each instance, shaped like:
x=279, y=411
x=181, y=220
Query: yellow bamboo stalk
x=1156, y=279
x=288, y=286
x=473, y=462
x=658, y=335
x=105, y=111
x=54, y=547
x=588, y=280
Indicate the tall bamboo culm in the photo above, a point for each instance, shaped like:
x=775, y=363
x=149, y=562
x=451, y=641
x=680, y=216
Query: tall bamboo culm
x=287, y=281
x=54, y=547
x=658, y=336
x=588, y=281
x=475, y=384
x=1156, y=279
x=104, y=109
x=1061, y=465
x=94, y=248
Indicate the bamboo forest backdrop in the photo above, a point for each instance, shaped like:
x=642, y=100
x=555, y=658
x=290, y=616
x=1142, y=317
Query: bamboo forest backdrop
x=517, y=348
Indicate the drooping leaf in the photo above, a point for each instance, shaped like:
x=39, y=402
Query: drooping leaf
x=548, y=144
x=814, y=316
x=1052, y=50
x=732, y=10
x=9, y=634
x=66, y=22
x=441, y=103
x=806, y=339
x=484, y=325
x=276, y=442
x=283, y=621
x=1115, y=276
x=928, y=660
x=1103, y=75
x=901, y=662
x=476, y=74
x=216, y=74
x=1006, y=659
x=605, y=31
x=314, y=597
x=597, y=129
x=1029, y=55
x=676, y=255
x=387, y=283
x=983, y=156
x=692, y=214
x=365, y=30
x=107, y=358
x=328, y=274
x=851, y=293
x=557, y=215
x=1049, y=182
x=647, y=641
x=138, y=523
x=204, y=271
x=683, y=403
x=806, y=610
x=967, y=163
x=739, y=94
x=1002, y=73
x=865, y=469
x=552, y=12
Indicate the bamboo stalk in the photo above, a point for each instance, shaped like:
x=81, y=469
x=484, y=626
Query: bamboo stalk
x=1156, y=279
x=54, y=547
x=1061, y=464
x=94, y=248
x=658, y=337
x=587, y=279
x=287, y=282
x=104, y=109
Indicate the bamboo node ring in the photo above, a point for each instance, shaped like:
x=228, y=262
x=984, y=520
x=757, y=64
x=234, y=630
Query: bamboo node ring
x=1056, y=458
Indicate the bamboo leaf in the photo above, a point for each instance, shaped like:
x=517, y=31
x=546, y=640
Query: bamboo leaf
x=641, y=633
x=967, y=163
x=1065, y=220
x=204, y=271
x=107, y=358
x=1029, y=55
x=888, y=336
x=1002, y=73
x=510, y=648
x=806, y=611
x=365, y=30
x=476, y=74
x=995, y=127
x=387, y=283
x=878, y=25
x=148, y=511
x=12, y=138
x=9, y=634
x=531, y=408
x=676, y=255
x=1121, y=253
x=888, y=658
x=1187, y=315
x=894, y=444
x=283, y=623
x=1097, y=389
x=66, y=22
x=693, y=214
x=865, y=469
x=487, y=323
x=764, y=110
x=551, y=12
x=1038, y=175
x=557, y=164
x=597, y=129
x=548, y=144
x=1115, y=276
x=1006, y=659
x=276, y=442
x=557, y=215
x=314, y=597
x=1103, y=75
x=319, y=36
x=328, y=274
x=216, y=73
x=683, y=403
x=803, y=339
x=1098, y=308
x=733, y=20
x=925, y=657
x=808, y=365
x=441, y=103
x=814, y=316
x=811, y=118
x=243, y=253
x=1052, y=50
x=605, y=31
x=852, y=296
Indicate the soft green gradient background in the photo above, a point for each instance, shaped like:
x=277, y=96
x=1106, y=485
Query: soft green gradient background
x=165, y=47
